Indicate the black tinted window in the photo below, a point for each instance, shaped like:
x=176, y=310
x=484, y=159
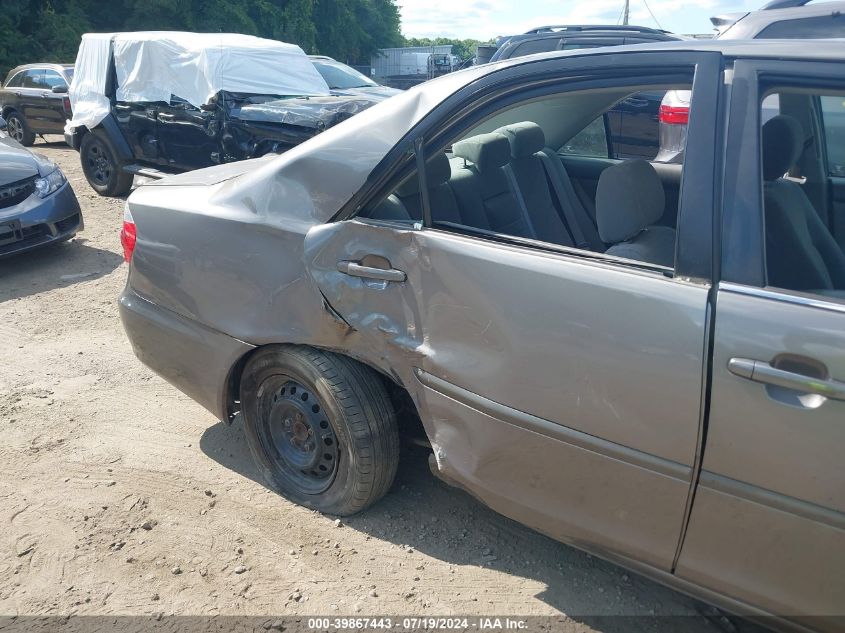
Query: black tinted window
x=536, y=46
x=819, y=27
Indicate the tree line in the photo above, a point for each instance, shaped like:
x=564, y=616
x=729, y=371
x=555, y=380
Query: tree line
x=50, y=30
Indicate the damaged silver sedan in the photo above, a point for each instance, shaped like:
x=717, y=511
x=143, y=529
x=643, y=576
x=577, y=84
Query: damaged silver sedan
x=586, y=354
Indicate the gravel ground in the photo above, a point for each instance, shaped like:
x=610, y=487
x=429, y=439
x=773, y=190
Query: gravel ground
x=122, y=496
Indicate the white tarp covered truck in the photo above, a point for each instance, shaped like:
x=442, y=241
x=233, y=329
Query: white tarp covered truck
x=160, y=102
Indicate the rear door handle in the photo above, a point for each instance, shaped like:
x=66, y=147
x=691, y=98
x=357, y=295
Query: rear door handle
x=763, y=372
x=368, y=272
x=166, y=116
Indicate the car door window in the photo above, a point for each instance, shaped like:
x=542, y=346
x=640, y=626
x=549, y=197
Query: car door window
x=801, y=251
x=591, y=141
x=543, y=45
x=32, y=79
x=826, y=26
x=51, y=78
x=512, y=176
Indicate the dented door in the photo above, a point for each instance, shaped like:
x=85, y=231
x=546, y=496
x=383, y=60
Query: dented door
x=563, y=392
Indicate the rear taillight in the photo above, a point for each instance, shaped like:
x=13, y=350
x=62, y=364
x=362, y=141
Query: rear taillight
x=674, y=115
x=66, y=105
x=128, y=234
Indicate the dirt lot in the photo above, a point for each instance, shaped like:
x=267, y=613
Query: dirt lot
x=122, y=496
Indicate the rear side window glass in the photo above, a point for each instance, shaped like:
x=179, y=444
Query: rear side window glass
x=32, y=79
x=536, y=46
x=819, y=27
x=16, y=81
x=833, y=113
x=591, y=141
x=568, y=45
x=52, y=78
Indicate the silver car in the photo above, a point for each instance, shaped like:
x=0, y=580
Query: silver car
x=642, y=360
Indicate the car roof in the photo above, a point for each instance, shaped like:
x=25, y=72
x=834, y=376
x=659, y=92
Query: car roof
x=591, y=29
x=51, y=65
x=824, y=50
x=747, y=25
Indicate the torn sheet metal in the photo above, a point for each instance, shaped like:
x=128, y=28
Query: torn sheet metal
x=312, y=112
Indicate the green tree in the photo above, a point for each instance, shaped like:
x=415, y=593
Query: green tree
x=49, y=30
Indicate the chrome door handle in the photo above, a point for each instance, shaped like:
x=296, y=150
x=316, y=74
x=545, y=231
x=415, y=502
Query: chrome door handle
x=368, y=272
x=166, y=116
x=763, y=372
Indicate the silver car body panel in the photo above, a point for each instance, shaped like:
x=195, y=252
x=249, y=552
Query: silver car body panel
x=543, y=398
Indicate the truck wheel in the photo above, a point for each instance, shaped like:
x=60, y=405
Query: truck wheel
x=18, y=129
x=321, y=428
x=99, y=163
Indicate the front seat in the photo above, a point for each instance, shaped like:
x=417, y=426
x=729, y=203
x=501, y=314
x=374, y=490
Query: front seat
x=629, y=201
x=801, y=254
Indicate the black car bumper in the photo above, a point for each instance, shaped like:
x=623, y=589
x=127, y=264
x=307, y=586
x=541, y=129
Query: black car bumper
x=39, y=221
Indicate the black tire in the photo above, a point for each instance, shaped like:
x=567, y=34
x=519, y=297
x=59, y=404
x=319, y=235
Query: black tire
x=18, y=129
x=298, y=401
x=101, y=167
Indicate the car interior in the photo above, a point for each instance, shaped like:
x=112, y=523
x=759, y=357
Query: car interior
x=803, y=192
x=516, y=175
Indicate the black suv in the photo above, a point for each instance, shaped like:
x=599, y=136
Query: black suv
x=34, y=100
x=565, y=37
x=631, y=124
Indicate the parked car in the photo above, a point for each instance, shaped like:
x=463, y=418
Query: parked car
x=564, y=37
x=344, y=80
x=585, y=353
x=139, y=112
x=37, y=205
x=34, y=100
x=632, y=122
x=785, y=19
x=779, y=19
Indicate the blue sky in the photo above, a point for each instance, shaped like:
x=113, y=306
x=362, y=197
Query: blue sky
x=483, y=19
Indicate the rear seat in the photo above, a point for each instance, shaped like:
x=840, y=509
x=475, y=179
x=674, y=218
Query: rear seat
x=406, y=203
x=548, y=191
x=485, y=199
x=629, y=203
x=526, y=168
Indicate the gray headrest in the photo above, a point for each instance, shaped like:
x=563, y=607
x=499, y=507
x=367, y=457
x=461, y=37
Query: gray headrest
x=526, y=138
x=783, y=144
x=437, y=171
x=629, y=198
x=486, y=151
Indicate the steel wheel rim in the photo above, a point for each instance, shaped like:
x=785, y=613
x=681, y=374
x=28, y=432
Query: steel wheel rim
x=298, y=436
x=15, y=128
x=99, y=165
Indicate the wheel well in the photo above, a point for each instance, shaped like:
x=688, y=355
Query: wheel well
x=407, y=415
x=7, y=110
